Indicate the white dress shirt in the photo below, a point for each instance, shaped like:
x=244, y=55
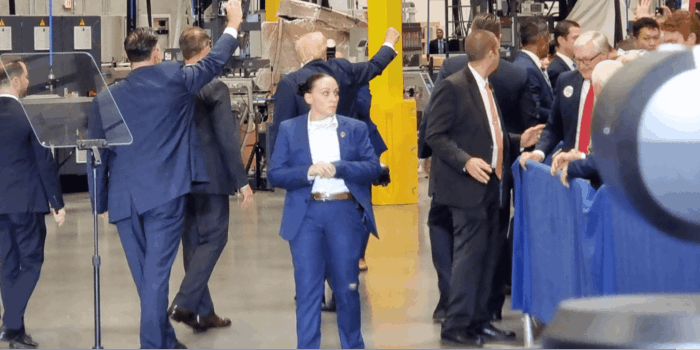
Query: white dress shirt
x=11, y=96
x=325, y=147
x=387, y=44
x=534, y=57
x=481, y=82
x=569, y=62
x=231, y=31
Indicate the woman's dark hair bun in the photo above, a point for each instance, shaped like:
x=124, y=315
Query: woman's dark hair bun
x=308, y=85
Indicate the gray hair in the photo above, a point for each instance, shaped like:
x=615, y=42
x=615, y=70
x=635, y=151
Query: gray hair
x=599, y=40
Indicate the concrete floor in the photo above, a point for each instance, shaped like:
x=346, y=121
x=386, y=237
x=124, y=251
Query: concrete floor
x=252, y=284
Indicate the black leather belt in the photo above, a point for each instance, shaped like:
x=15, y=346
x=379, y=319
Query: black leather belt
x=331, y=197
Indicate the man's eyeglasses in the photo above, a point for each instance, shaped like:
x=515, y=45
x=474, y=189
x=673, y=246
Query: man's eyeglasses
x=586, y=61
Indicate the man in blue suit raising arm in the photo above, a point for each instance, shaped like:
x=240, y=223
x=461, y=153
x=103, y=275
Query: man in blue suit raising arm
x=144, y=185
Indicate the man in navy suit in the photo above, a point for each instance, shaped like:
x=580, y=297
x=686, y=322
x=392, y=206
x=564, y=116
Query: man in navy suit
x=326, y=163
x=207, y=208
x=351, y=77
x=565, y=34
x=147, y=181
x=28, y=184
x=439, y=45
x=519, y=113
x=534, y=35
x=570, y=120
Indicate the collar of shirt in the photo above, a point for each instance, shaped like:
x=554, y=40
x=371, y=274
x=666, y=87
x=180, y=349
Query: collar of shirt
x=479, y=79
x=534, y=57
x=11, y=96
x=569, y=62
x=322, y=124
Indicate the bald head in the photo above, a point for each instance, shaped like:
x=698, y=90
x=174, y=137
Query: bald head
x=602, y=73
x=311, y=46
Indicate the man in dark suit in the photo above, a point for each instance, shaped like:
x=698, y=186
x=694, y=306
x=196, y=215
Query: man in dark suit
x=470, y=169
x=519, y=113
x=534, y=35
x=311, y=50
x=149, y=179
x=207, y=208
x=438, y=46
x=570, y=120
x=565, y=34
x=28, y=184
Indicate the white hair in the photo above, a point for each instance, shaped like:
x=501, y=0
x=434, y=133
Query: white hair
x=599, y=40
x=603, y=71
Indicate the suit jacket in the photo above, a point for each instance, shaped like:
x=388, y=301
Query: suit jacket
x=556, y=67
x=458, y=129
x=540, y=90
x=361, y=111
x=511, y=92
x=435, y=49
x=157, y=104
x=217, y=130
x=28, y=174
x=585, y=169
x=289, y=166
x=563, y=121
x=350, y=77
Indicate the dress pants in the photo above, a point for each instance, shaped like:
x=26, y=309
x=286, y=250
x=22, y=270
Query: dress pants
x=330, y=235
x=206, y=234
x=476, y=252
x=441, y=244
x=22, y=238
x=502, y=275
x=150, y=241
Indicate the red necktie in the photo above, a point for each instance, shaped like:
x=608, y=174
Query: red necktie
x=498, y=132
x=584, y=136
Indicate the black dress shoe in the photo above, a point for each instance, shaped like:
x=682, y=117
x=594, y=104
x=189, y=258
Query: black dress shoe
x=439, y=316
x=211, y=321
x=496, y=316
x=179, y=315
x=329, y=306
x=9, y=335
x=23, y=341
x=493, y=333
x=462, y=339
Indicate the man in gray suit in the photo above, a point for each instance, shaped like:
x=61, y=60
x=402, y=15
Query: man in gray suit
x=207, y=208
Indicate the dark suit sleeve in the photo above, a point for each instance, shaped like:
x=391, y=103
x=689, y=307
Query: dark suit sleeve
x=281, y=173
x=554, y=130
x=583, y=168
x=362, y=73
x=528, y=108
x=96, y=131
x=440, y=124
x=48, y=172
x=365, y=170
x=424, y=151
x=285, y=109
x=200, y=74
x=536, y=90
x=225, y=124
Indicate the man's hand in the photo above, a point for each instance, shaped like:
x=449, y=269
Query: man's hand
x=531, y=136
x=564, y=175
x=248, y=197
x=427, y=164
x=478, y=169
x=529, y=156
x=392, y=36
x=643, y=9
x=322, y=169
x=561, y=160
x=59, y=216
x=234, y=13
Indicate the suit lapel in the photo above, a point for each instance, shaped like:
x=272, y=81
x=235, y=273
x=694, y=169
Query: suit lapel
x=474, y=90
x=303, y=138
x=343, y=138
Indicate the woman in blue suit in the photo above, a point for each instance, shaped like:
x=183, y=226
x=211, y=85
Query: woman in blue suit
x=326, y=163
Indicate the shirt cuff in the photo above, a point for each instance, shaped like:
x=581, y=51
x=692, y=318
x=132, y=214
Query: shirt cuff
x=242, y=188
x=540, y=153
x=231, y=31
x=583, y=155
x=387, y=44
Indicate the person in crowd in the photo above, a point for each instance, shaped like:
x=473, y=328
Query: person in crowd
x=574, y=163
x=534, y=35
x=144, y=185
x=683, y=28
x=29, y=189
x=573, y=104
x=438, y=46
x=207, y=207
x=647, y=34
x=326, y=164
x=565, y=34
x=519, y=113
x=471, y=165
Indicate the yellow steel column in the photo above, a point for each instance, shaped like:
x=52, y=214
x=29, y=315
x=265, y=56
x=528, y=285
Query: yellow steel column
x=271, y=7
x=395, y=118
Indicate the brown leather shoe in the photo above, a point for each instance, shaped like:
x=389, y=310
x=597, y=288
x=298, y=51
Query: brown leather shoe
x=212, y=321
x=180, y=315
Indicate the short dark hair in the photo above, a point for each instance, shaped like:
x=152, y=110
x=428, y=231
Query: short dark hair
x=308, y=85
x=479, y=43
x=644, y=22
x=487, y=21
x=563, y=28
x=553, y=47
x=532, y=30
x=192, y=41
x=11, y=67
x=139, y=44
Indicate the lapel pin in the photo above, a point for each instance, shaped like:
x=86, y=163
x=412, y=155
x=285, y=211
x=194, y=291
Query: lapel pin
x=568, y=91
x=342, y=134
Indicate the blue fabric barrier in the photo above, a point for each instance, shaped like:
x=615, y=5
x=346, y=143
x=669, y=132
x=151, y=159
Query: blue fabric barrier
x=577, y=242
